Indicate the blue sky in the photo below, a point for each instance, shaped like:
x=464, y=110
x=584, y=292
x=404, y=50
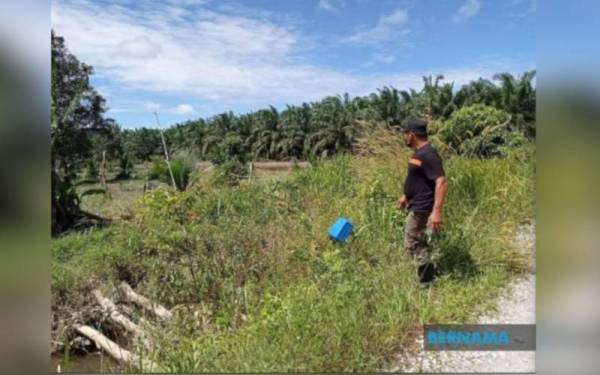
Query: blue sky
x=197, y=58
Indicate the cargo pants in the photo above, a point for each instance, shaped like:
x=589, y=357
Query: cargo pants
x=418, y=245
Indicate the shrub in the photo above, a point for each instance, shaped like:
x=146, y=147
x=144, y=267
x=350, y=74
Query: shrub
x=125, y=168
x=182, y=170
x=230, y=173
x=91, y=170
x=479, y=131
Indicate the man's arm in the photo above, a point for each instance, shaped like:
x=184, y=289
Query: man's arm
x=402, y=202
x=435, y=219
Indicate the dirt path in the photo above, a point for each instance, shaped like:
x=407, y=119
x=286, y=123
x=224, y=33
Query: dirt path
x=516, y=304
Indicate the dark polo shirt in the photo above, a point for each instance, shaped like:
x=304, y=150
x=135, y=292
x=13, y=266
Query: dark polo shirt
x=424, y=168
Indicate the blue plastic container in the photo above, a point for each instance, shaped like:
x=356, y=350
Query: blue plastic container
x=340, y=230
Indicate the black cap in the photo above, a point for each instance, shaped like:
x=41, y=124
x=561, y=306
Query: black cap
x=416, y=126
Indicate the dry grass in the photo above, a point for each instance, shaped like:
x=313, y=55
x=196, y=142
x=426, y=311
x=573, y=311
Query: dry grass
x=119, y=201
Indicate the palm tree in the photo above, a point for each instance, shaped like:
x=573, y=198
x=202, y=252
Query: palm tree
x=197, y=131
x=517, y=97
x=437, y=99
x=245, y=125
x=482, y=91
x=296, y=125
x=359, y=108
x=336, y=130
x=526, y=95
x=508, y=89
x=386, y=105
x=267, y=133
x=411, y=104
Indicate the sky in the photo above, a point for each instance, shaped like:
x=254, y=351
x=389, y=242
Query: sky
x=187, y=59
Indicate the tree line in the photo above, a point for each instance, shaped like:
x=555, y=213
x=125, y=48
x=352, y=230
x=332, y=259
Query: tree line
x=485, y=113
x=331, y=125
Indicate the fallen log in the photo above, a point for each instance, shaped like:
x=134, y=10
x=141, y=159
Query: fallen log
x=114, y=314
x=144, y=302
x=114, y=350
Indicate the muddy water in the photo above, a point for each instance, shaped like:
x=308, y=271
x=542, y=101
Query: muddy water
x=94, y=362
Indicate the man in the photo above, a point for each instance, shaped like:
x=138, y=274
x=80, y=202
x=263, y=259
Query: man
x=424, y=193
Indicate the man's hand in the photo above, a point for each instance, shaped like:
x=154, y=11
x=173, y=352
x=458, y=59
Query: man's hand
x=435, y=220
x=401, y=205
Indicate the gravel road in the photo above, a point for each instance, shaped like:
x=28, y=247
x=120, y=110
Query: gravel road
x=515, y=305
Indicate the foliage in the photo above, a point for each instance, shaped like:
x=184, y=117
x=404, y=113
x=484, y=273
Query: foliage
x=125, y=167
x=77, y=110
x=332, y=125
x=91, y=171
x=76, y=113
x=258, y=286
x=479, y=131
x=142, y=143
x=182, y=169
x=308, y=131
x=65, y=204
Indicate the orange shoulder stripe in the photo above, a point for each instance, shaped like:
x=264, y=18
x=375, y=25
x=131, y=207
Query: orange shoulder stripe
x=416, y=162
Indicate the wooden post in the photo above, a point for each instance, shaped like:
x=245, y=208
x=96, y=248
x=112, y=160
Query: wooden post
x=162, y=137
x=103, y=174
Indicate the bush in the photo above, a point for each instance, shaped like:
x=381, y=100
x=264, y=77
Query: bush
x=182, y=170
x=230, y=173
x=479, y=131
x=125, y=168
x=91, y=170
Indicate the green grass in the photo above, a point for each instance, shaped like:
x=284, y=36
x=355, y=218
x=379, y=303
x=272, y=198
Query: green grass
x=117, y=203
x=122, y=194
x=260, y=287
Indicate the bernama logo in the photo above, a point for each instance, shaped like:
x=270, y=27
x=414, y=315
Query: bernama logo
x=453, y=337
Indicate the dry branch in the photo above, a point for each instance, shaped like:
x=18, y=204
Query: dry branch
x=114, y=350
x=144, y=302
x=114, y=314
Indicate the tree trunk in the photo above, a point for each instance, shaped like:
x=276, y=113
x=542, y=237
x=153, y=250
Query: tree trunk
x=144, y=302
x=114, y=350
x=103, y=174
x=121, y=319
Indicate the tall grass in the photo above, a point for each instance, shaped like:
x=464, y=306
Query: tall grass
x=259, y=286
x=181, y=168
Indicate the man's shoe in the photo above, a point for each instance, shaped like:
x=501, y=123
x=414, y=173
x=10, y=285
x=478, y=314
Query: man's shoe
x=426, y=273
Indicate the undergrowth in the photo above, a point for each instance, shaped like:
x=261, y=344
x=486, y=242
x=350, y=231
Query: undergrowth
x=258, y=286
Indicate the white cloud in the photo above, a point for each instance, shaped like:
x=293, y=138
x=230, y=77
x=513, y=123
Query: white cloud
x=152, y=106
x=183, y=109
x=139, y=47
x=182, y=50
x=330, y=5
x=469, y=9
x=389, y=27
x=379, y=58
x=383, y=58
x=224, y=60
x=187, y=2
